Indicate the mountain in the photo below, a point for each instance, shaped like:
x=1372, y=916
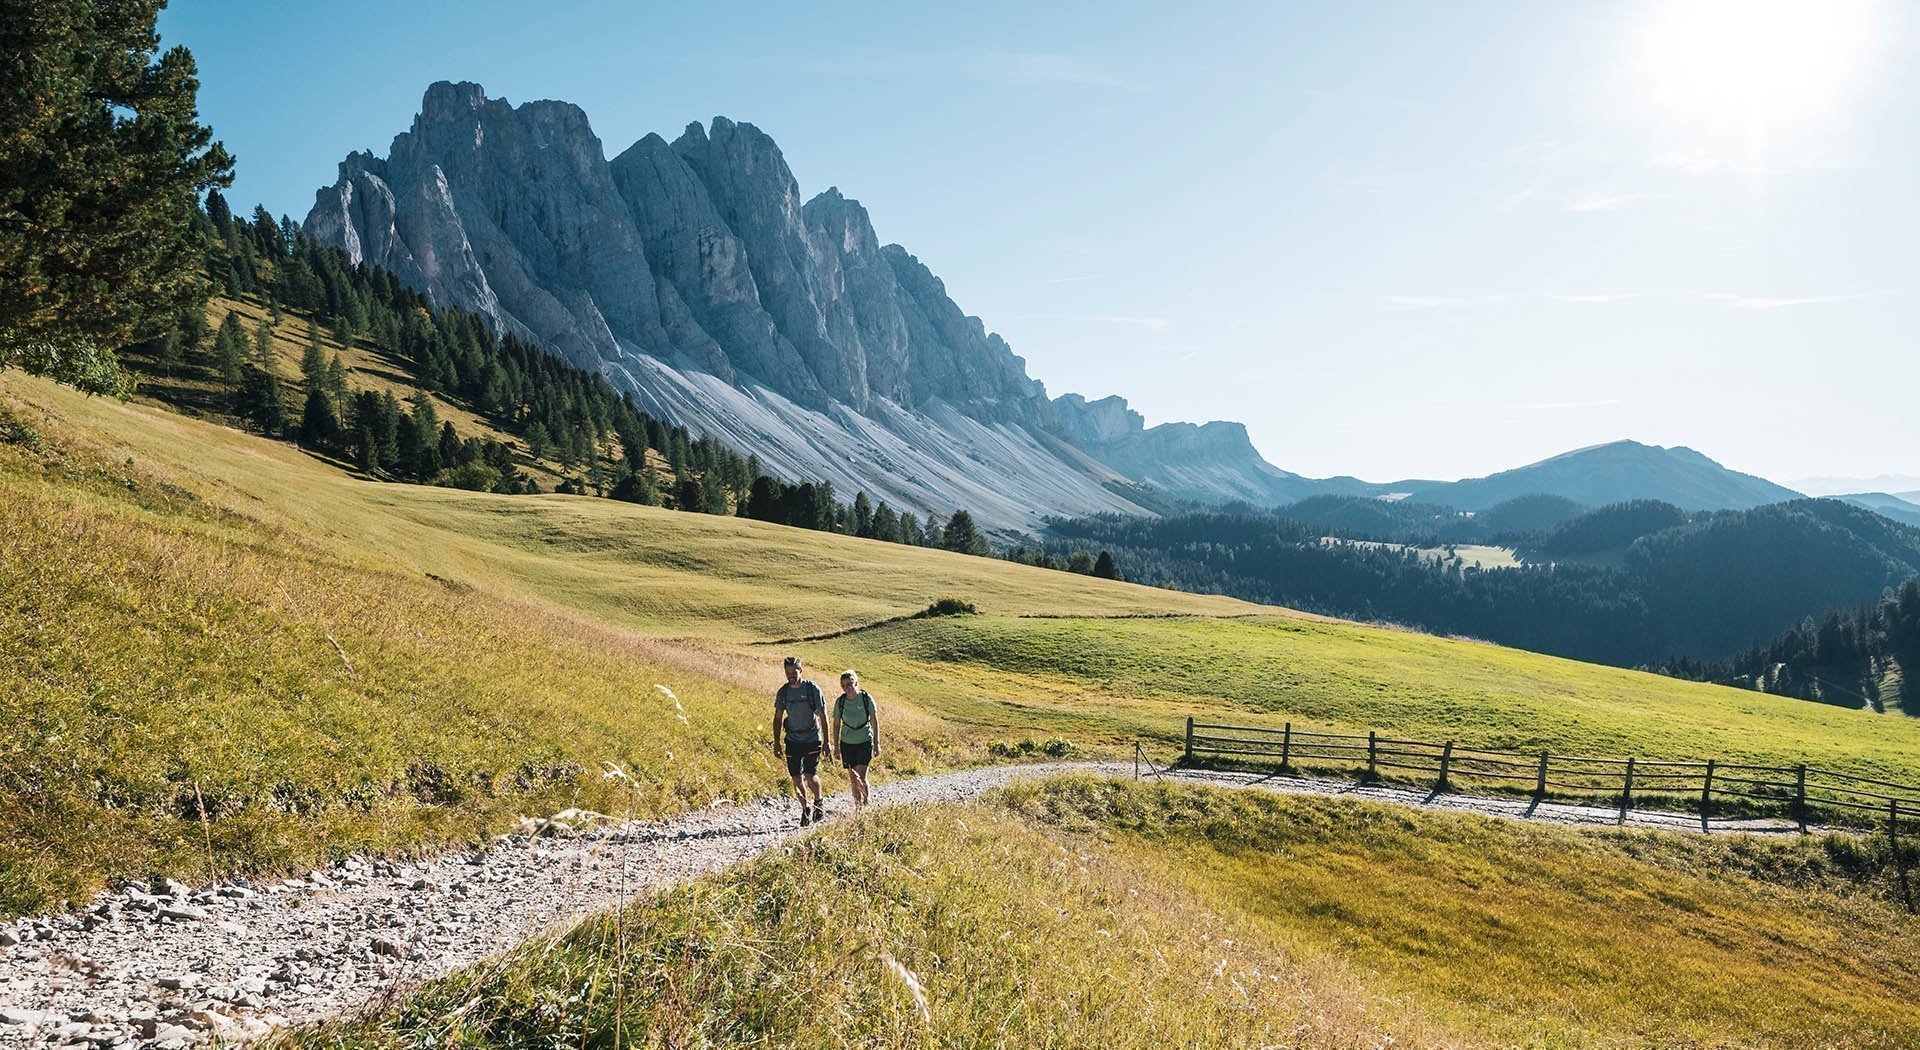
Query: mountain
x=1619, y=472
x=694, y=276
x=1900, y=510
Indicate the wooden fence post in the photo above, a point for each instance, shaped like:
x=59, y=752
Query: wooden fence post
x=1626, y=792
x=1189, y=739
x=1706, y=796
x=1800, y=796
x=1540, y=785
x=1373, y=756
x=1899, y=862
x=1446, y=759
x=1286, y=745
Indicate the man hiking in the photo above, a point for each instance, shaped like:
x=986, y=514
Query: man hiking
x=800, y=732
x=856, y=734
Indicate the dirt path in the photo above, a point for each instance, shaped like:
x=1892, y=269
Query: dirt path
x=169, y=966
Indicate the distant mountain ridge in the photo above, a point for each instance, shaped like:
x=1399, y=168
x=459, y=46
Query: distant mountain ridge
x=1616, y=472
x=693, y=274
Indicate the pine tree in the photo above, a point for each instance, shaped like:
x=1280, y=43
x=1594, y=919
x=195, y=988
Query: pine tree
x=230, y=348
x=862, y=514
x=961, y=535
x=337, y=380
x=262, y=402
x=313, y=360
x=886, y=524
x=102, y=162
x=539, y=442
x=319, y=424
x=1104, y=568
x=263, y=358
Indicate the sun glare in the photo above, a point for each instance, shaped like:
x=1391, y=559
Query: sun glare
x=1755, y=68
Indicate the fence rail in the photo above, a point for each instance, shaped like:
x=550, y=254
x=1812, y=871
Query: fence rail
x=1799, y=792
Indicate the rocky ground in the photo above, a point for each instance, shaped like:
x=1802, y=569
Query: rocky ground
x=167, y=965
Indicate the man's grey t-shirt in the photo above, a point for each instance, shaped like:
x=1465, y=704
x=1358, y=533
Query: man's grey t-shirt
x=800, y=703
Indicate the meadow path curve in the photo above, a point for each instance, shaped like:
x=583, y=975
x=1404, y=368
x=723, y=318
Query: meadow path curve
x=168, y=966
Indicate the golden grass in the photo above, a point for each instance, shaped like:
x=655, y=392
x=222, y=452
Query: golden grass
x=938, y=926
x=1516, y=934
x=1101, y=913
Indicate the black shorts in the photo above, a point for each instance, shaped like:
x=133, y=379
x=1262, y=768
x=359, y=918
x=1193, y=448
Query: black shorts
x=856, y=754
x=799, y=764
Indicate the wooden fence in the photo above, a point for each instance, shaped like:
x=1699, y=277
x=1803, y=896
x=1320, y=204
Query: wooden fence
x=1802, y=793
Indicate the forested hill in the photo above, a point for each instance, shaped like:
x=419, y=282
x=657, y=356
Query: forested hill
x=1863, y=657
x=1636, y=584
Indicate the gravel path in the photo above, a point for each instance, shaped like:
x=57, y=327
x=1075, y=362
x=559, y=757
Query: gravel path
x=168, y=966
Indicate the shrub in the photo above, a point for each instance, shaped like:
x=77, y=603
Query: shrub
x=949, y=606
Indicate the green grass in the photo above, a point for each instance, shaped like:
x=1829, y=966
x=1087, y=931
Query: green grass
x=1117, y=678
x=1098, y=913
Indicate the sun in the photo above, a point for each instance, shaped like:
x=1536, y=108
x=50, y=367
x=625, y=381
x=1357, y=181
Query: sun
x=1765, y=68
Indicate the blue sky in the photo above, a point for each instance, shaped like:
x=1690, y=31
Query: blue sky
x=1396, y=240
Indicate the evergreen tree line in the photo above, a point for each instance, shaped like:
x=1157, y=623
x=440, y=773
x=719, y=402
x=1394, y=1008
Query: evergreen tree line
x=566, y=415
x=1846, y=657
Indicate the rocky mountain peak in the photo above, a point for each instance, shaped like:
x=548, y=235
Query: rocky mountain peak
x=692, y=274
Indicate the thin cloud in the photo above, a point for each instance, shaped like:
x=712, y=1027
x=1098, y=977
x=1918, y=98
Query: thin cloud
x=1156, y=324
x=1598, y=298
x=1560, y=406
x=1593, y=202
x=1436, y=302
x=1761, y=302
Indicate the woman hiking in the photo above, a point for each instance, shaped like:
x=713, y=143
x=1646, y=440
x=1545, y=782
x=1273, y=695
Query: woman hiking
x=856, y=733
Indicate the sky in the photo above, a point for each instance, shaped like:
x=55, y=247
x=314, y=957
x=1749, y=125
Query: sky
x=1394, y=239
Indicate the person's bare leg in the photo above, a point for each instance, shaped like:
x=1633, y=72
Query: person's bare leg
x=813, y=785
x=858, y=777
x=800, y=791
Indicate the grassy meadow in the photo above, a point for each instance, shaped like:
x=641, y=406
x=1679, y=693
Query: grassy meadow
x=1089, y=913
x=1130, y=677
x=198, y=622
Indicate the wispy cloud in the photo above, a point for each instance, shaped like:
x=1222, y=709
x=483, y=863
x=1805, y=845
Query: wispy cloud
x=1592, y=202
x=1597, y=298
x=1561, y=406
x=1436, y=302
x=1762, y=302
x=1006, y=67
x=1155, y=324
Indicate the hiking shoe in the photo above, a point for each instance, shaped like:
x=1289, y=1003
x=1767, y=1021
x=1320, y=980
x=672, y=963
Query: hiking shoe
x=805, y=817
x=819, y=812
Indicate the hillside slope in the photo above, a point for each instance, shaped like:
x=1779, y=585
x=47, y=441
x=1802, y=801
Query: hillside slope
x=198, y=620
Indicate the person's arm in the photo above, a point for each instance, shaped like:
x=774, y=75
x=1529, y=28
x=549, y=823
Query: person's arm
x=833, y=740
x=776, y=729
x=820, y=715
x=873, y=727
